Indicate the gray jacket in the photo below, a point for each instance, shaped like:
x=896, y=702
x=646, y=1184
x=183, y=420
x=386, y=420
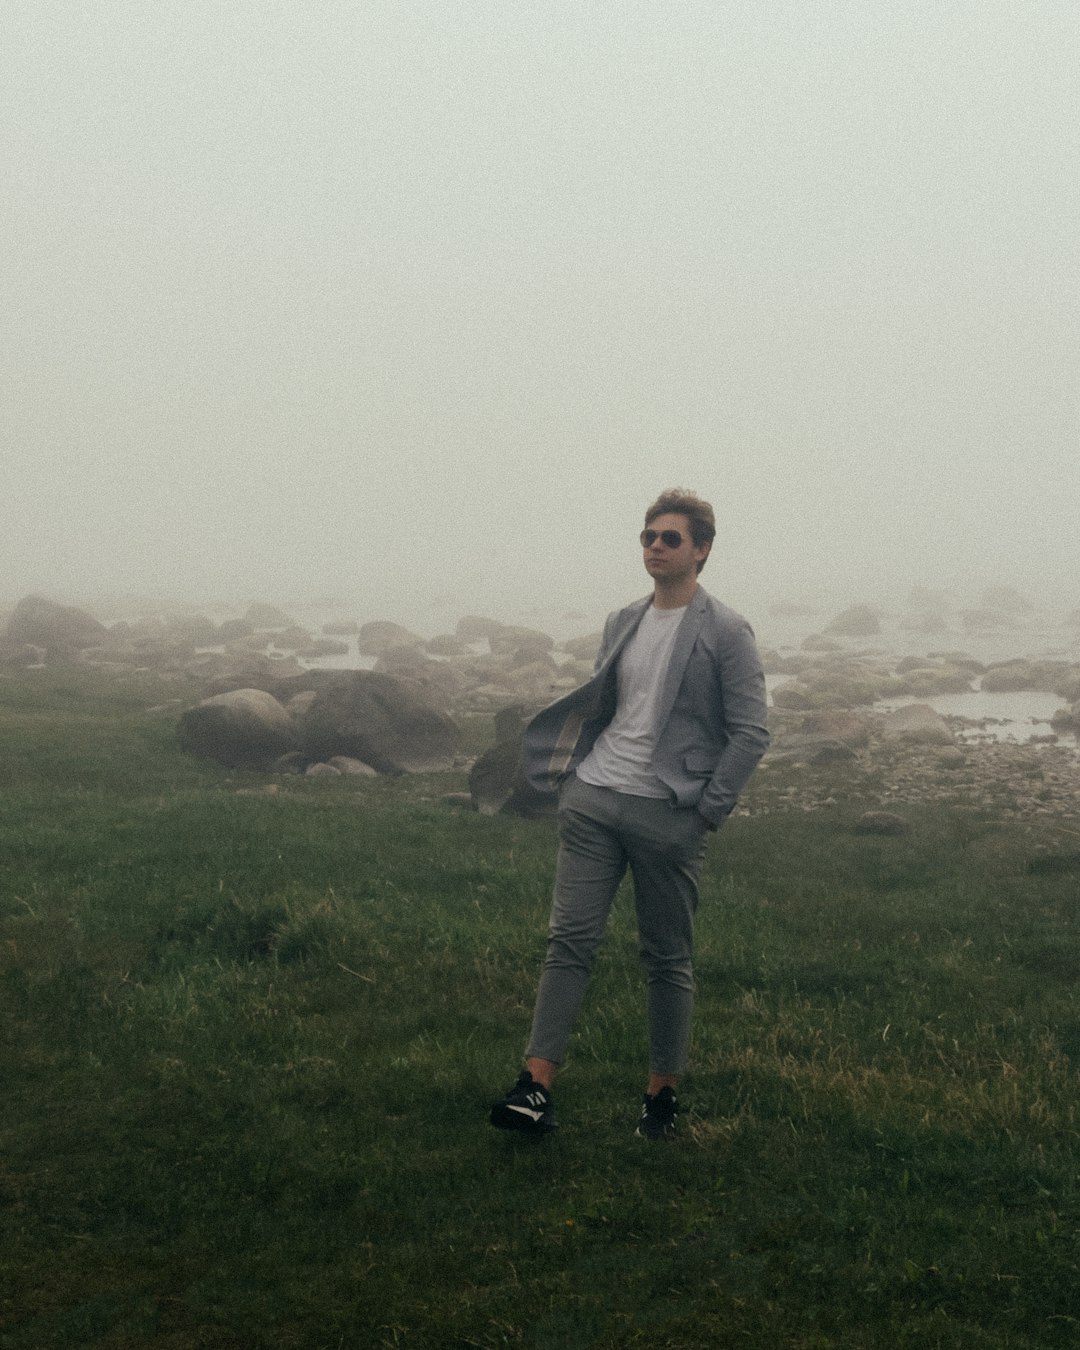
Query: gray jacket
x=711, y=719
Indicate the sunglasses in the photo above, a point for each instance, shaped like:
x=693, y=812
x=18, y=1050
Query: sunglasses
x=669, y=538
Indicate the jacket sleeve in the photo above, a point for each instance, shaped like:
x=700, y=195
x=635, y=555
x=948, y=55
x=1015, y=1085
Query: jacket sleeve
x=742, y=688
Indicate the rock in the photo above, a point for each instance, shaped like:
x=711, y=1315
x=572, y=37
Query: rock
x=381, y=720
x=524, y=644
x=22, y=656
x=292, y=762
x=846, y=684
x=858, y=621
x=961, y=659
x=226, y=671
x=1024, y=674
x=268, y=616
x=298, y=705
x=351, y=768
x=816, y=642
x=250, y=642
x=196, y=630
x=950, y=757
x=474, y=628
x=377, y=637
x=832, y=752
x=439, y=682
x=882, y=822
x=321, y=770
x=320, y=647
x=497, y=783
x=924, y=681
x=291, y=639
x=231, y=630
x=822, y=738
x=917, y=723
x=245, y=728
x=447, y=644
x=539, y=691
x=1068, y=686
x=62, y=630
x=1067, y=719
x=584, y=648
x=852, y=728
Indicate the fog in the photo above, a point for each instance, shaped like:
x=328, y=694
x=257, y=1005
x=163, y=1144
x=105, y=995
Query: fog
x=417, y=305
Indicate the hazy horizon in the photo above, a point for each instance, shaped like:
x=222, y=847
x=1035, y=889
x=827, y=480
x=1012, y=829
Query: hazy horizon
x=405, y=304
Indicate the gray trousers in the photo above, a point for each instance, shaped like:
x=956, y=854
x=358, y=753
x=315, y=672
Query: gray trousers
x=601, y=833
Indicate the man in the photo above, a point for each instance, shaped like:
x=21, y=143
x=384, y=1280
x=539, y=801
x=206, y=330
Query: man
x=650, y=755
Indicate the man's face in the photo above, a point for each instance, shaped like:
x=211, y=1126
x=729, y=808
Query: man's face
x=669, y=563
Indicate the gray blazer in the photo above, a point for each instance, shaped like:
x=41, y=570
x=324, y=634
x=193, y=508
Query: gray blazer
x=711, y=718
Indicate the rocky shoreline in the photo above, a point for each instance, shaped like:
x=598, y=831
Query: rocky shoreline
x=1035, y=782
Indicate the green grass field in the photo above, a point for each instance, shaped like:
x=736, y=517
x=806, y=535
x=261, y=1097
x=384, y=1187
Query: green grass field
x=248, y=1042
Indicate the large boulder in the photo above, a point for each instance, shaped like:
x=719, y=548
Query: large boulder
x=245, y=728
x=918, y=724
x=381, y=720
x=476, y=628
x=62, y=630
x=1068, y=684
x=437, y=682
x=380, y=635
x=1024, y=674
x=447, y=644
x=839, y=684
x=926, y=680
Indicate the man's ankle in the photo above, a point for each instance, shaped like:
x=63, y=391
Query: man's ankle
x=543, y=1071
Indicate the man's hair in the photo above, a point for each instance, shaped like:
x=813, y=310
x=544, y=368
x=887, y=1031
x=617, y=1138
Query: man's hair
x=683, y=502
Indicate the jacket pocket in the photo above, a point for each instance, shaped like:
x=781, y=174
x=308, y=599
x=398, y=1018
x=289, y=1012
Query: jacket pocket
x=700, y=763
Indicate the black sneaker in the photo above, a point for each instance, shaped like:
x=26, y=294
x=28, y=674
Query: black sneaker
x=658, y=1115
x=527, y=1106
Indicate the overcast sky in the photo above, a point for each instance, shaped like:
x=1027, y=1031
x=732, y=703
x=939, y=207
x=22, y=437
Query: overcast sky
x=404, y=301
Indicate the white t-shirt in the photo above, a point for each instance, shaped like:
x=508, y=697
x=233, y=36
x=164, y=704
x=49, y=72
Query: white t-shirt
x=621, y=758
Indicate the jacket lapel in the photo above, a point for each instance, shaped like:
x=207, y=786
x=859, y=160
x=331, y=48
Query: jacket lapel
x=687, y=635
x=632, y=616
